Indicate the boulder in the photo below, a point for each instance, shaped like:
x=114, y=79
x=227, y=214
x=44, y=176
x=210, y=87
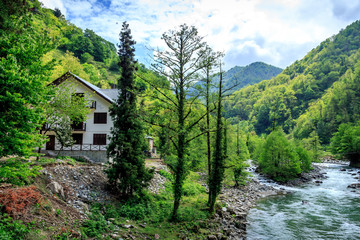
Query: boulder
x=56, y=188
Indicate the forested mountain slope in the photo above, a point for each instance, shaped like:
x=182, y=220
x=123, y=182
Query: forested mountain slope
x=248, y=75
x=316, y=93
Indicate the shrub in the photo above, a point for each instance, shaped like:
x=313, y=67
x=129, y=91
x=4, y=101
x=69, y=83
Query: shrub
x=96, y=225
x=18, y=172
x=16, y=201
x=10, y=229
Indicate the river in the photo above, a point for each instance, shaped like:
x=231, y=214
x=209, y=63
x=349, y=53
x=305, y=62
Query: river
x=327, y=211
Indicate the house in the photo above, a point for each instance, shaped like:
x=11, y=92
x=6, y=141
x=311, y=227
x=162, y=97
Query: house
x=92, y=136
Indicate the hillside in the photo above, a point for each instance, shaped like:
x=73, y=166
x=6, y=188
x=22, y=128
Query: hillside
x=241, y=76
x=248, y=75
x=323, y=82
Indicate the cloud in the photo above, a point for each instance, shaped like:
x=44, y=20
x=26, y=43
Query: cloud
x=275, y=31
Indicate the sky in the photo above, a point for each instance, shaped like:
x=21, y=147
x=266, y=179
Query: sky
x=277, y=32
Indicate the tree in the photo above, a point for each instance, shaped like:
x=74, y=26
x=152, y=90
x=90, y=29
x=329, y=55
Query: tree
x=218, y=164
x=57, y=13
x=346, y=141
x=127, y=172
x=63, y=109
x=23, y=80
x=209, y=61
x=238, y=161
x=180, y=64
x=279, y=159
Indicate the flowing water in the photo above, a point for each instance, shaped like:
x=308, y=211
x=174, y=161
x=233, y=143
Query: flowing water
x=328, y=211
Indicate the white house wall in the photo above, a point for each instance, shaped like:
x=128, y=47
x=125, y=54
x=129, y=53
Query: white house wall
x=101, y=106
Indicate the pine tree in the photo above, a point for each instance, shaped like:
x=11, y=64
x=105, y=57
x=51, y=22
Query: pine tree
x=127, y=171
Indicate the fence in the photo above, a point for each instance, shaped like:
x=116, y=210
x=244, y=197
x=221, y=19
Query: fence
x=82, y=147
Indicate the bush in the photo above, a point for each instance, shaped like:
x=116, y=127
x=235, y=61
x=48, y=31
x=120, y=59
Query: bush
x=96, y=225
x=12, y=230
x=18, y=172
x=16, y=201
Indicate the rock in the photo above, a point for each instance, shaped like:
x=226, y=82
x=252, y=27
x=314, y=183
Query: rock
x=56, y=188
x=128, y=226
x=224, y=209
x=142, y=225
x=157, y=236
x=342, y=169
x=318, y=181
x=354, y=185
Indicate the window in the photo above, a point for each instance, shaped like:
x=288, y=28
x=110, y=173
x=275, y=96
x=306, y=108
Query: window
x=99, y=139
x=79, y=97
x=100, y=117
x=78, y=138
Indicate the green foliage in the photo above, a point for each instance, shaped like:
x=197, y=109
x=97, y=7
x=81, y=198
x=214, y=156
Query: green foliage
x=179, y=63
x=18, y=172
x=127, y=173
x=304, y=158
x=279, y=159
x=347, y=139
x=11, y=229
x=96, y=225
x=23, y=79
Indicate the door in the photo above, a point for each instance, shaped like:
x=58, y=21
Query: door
x=50, y=145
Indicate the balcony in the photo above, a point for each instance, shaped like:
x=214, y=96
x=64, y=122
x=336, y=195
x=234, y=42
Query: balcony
x=81, y=126
x=82, y=147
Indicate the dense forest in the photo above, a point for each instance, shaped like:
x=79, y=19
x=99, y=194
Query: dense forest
x=316, y=93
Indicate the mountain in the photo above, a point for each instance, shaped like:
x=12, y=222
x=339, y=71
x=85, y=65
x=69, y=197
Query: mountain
x=313, y=95
x=248, y=75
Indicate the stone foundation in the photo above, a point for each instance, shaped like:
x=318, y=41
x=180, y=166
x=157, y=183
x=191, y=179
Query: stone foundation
x=93, y=156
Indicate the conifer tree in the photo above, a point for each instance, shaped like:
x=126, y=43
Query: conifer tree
x=127, y=171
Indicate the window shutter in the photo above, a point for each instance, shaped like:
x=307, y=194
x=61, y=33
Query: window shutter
x=100, y=117
x=99, y=139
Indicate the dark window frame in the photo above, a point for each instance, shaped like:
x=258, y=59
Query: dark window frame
x=99, y=138
x=100, y=118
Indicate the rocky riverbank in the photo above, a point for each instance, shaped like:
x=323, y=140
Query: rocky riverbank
x=237, y=202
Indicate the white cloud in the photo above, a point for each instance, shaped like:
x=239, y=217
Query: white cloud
x=276, y=31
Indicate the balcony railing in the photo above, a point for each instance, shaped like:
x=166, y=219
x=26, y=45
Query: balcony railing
x=82, y=147
x=79, y=126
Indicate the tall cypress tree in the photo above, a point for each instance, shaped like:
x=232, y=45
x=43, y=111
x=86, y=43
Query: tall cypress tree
x=127, y=171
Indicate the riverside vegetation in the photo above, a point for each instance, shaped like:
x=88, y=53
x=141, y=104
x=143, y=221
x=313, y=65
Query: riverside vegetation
x=283, y=124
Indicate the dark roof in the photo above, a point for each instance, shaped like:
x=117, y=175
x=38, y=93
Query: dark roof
x=92, y=87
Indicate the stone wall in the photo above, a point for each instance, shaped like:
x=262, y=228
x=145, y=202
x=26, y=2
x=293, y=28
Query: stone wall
x=94, y=156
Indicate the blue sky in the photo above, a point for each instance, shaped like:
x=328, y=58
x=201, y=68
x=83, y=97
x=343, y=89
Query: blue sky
x=276, y=32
